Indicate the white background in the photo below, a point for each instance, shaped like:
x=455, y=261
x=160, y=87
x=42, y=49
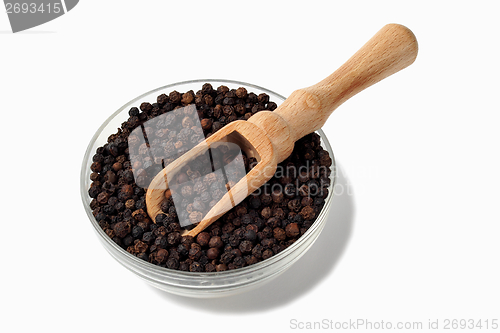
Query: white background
x=416, y=238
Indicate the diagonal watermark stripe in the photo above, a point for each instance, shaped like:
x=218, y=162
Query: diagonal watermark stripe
x=26, y=14
x=70, y=4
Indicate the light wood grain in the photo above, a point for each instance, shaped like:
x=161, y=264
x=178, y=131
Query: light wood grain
x=270, y=136
x=392, y=49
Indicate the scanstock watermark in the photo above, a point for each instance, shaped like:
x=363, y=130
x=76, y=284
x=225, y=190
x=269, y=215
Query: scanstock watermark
x=362, y=324
x=475, y=325
x=26, y=14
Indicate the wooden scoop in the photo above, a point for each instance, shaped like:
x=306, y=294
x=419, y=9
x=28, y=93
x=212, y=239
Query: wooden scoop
x=270, y=136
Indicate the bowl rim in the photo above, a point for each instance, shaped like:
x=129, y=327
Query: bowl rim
x=201, y=276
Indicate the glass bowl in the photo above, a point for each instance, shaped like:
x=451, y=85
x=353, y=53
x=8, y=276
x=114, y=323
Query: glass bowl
x=202, y=285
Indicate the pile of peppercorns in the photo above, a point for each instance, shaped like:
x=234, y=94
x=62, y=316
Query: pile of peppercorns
x=264, y=224
x=204, y=181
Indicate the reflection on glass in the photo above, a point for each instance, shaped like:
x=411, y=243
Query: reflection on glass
x=197, y=185
x=162, y=139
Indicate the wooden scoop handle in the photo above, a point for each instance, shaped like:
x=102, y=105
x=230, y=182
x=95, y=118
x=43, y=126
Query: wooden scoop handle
x=392, y=49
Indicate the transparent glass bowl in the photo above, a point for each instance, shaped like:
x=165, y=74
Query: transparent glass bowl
x=202, y=285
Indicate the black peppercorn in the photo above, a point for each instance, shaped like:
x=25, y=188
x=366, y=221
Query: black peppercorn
x=246, y=219
x=146, y=107
x=216, y=242
x=271, y=106
x=255, y=202
x=294, y=205
x=266, y=212
x=133, y=112
x=160, y=256
x=187, y=97
x=203, y=238
x=196, y=267
x=290, y=191
x=210, y=267
x=250, y=260
x=303, y=176
x=250, y=235
x=234, y=241
x=304, y=190
x=94, y=191
x=96, y=167
x=182, y=250
x=215, y=127
x=279, y=213
x=307, y=201
x=308, y=213
x=241, y=93
x=213, y=253
x=102, y=198
x=137, y=232
x=174, y=238
x=292, y=230
x=245, y=246
x=195, y=252
x=267, y=254
x=207, y=89
x=257, y=251
x=175, y=97
x=273, y=222
x=161, y=242
x=147, y=237
x=203, y=259
x=319, y=201
x=226, y=258
x=239, y=262
x=277, y=196
x=221, y=267
x=236, y=252
x=279, y=234
x=266, y=199
x=172, y=263
x=121, y=229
